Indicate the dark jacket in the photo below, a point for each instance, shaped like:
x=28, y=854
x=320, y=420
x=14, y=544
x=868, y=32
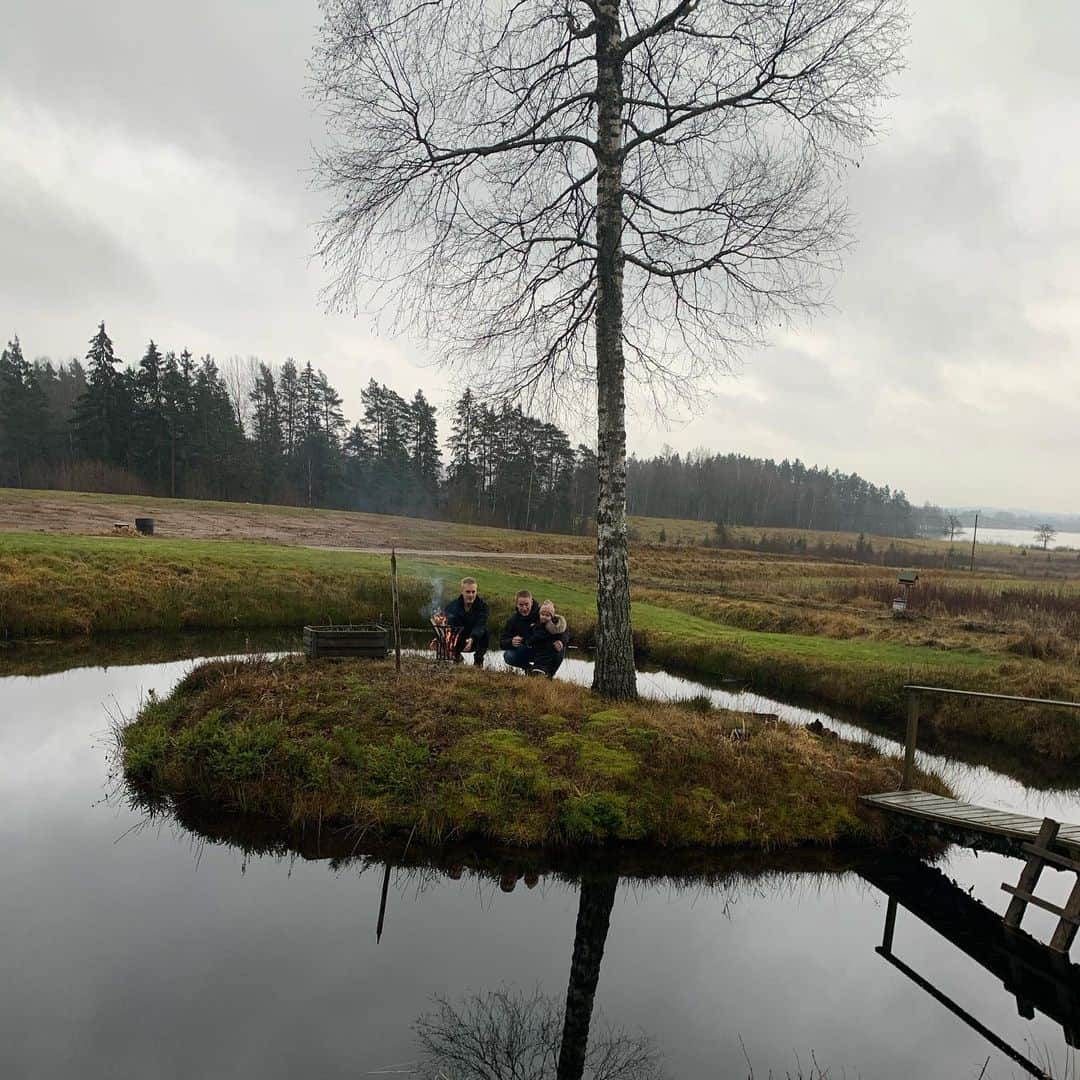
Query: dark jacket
x=519, y=625
x=542, y=639
x=472, y=623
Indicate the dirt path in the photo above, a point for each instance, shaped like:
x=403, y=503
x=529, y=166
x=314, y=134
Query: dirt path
x=445, y=554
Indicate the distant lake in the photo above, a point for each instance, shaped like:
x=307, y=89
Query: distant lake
x=1021, y=538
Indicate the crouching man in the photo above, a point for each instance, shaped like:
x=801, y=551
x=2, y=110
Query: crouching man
x=468, y=614
x=514, y=638
x=548, y=641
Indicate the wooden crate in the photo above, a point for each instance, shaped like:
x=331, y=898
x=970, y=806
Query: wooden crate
x=367, y=640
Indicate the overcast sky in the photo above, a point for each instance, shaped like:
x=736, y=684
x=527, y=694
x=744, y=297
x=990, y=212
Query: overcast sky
x=154, y=173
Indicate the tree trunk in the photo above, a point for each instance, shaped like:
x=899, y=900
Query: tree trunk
x=594, y=916
x=614, y=673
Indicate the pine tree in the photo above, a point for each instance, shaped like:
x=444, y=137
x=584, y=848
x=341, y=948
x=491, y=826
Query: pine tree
x=23, y=416
x=266, y=430
x=425, y=457
x=333, y=419
x=101, y=410
x=150, y=429
x=289, y=401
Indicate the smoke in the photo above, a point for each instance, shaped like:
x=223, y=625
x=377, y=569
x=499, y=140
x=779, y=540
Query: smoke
x=436, y=601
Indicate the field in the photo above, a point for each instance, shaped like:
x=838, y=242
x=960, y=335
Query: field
x=84, y=513
x=792, y=623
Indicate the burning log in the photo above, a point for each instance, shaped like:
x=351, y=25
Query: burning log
x=446, y=637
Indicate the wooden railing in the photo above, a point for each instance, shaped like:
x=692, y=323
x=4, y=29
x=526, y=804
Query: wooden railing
x=912, y=693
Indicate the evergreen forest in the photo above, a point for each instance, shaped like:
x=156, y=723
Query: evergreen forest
x=175, y=425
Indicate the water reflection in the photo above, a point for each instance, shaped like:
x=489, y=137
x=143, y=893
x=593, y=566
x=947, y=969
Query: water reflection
x=1036, y=976
x=508, y=1035
x=220, y=949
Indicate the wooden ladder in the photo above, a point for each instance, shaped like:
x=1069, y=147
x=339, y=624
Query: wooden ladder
x=1041, y=855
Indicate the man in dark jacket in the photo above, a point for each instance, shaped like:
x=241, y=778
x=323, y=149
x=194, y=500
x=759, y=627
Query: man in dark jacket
x=469, y=615
x=515, y=636
x=548, y=641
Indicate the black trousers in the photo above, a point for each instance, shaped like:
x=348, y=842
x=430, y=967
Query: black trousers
x=480, y=647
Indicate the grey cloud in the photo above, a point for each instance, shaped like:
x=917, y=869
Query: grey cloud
x=930, y=372
x=55, y=257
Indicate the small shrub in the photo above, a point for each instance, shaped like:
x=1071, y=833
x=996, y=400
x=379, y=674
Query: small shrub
x=396, y=768
x=597, y=816
x=145, y=750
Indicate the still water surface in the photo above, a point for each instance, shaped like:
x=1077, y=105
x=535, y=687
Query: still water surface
x=138, y=950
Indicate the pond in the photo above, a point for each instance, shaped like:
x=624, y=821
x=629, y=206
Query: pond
x=139, y=948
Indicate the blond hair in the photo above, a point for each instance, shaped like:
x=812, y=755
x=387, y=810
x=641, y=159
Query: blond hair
x=467, y=581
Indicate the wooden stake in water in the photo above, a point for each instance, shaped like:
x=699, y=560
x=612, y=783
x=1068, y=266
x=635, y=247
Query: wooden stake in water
x=382, y=905
x=396, y=609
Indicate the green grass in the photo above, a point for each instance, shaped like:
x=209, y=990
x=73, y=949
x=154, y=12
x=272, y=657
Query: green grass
x=67, y=585
x=454, y=753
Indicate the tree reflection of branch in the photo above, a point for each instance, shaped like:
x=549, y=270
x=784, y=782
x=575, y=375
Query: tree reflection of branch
x=510, y=1035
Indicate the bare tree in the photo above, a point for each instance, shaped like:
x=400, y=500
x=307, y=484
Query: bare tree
x=575, y=192
x=239, y=377
x=954, y=527
x=1044, y=534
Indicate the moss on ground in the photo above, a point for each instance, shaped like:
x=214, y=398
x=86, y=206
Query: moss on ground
x=458, y=752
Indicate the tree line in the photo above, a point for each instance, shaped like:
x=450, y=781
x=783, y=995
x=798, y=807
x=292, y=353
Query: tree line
x=732, y=489
x=184, y=427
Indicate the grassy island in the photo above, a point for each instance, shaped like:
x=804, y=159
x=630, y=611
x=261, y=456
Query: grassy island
x=444, y=753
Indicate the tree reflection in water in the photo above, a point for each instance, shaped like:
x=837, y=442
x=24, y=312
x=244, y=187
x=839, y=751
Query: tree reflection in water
x=510, y=1035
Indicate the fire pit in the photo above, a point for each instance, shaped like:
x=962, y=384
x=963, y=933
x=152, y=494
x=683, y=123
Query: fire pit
x=446, y=637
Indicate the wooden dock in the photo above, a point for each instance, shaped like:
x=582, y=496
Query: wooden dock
x=1041, y=843
x=972, y=826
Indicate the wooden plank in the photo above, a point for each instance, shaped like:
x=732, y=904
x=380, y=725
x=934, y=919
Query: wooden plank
x=1004, y=821
x=1052, y=857
x=1029, y=877
x=1047, y=905
x=1070, y=919
x=939, y=810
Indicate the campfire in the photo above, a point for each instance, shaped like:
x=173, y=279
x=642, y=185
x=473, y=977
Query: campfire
x=446, y=637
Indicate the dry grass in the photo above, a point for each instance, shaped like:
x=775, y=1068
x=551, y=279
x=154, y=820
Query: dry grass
x=458, y=752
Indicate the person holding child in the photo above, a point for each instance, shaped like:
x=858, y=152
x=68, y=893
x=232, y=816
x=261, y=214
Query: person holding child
x=535, y=637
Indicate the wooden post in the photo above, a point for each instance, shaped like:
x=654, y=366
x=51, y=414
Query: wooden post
x=912, y=735
x=1029, y=876
x=395, y=615
x=382, y=905
x=1066, y=928
x=890, y=925
x=974, y=535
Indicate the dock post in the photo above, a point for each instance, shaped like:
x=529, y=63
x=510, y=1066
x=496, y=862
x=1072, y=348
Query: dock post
x=890, y=926
x=912, y=735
